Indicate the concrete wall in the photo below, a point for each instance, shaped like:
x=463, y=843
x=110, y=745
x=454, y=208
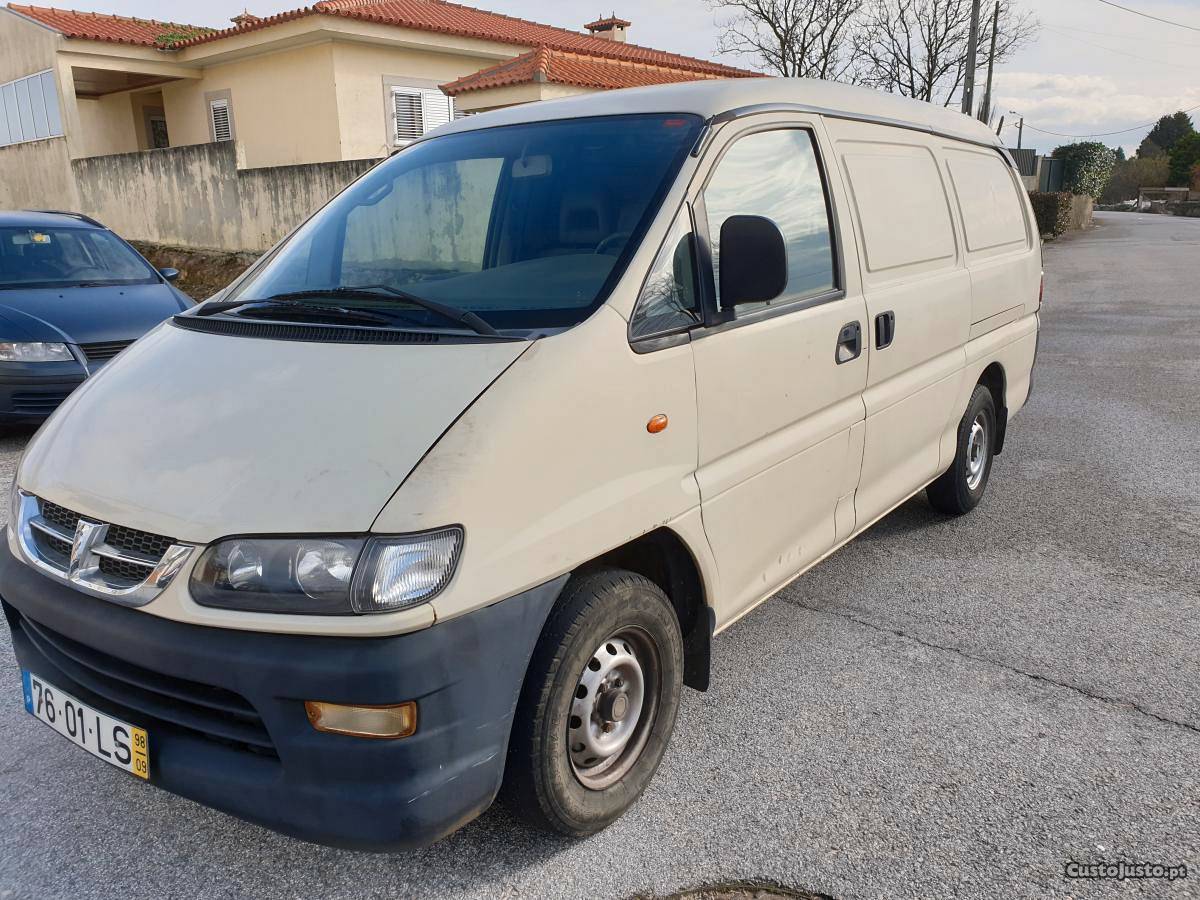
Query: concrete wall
x=37, y=175
x=196, y=196
x=283, y=105
x=1081, y=212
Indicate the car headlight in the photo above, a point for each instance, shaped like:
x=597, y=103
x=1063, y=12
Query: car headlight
x=326, y=575
x=34, y=351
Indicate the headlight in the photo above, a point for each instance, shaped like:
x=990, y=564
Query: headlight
x=326, y=575
x=34, y=351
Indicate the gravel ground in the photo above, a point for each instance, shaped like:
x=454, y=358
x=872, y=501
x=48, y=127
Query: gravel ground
x=943, y=708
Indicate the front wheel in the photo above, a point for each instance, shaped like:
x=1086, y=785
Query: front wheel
x=960, y=488
x=598, y=704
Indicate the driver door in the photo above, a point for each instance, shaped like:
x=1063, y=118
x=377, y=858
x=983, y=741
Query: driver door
x=779, y=387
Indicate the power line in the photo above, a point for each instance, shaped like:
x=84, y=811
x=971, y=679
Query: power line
x=1138, y=12
x=1105, y=133
x=1110, y=34
x=1147, y=59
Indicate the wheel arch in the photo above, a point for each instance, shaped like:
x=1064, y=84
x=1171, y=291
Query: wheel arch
x=663, y=557
x=994, y=379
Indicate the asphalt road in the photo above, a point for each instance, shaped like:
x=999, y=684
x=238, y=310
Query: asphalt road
x=943, y=708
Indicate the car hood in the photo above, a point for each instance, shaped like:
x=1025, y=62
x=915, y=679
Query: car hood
x=84, y=315
x=197, y=436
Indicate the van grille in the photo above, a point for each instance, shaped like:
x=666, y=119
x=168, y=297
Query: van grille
x=136, y=693
x=144, y=548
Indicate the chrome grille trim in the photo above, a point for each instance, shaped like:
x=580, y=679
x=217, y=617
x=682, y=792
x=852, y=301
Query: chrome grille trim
x=93, y=565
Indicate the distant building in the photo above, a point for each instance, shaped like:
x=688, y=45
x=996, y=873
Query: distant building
x=338, y=80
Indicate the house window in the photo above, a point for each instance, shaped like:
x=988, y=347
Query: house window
x=220, y=120
x=417, y=111
x=29, y=109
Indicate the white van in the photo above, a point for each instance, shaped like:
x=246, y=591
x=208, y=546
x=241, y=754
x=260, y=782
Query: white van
x=452, y=490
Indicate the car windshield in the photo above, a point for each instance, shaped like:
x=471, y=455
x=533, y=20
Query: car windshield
x=58, y=257
x=525, y=226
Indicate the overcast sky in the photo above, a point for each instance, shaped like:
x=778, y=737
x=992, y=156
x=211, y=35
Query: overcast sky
x=1093, y=68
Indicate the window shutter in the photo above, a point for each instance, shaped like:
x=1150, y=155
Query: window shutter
x=221, y=128
x=419, y=111
x=408, y=113
x=438, y=108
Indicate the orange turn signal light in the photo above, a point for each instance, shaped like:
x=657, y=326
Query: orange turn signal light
x=389, y=722
x=656, y=424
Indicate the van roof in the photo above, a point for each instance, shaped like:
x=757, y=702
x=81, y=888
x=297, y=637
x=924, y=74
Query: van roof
x=713, y=97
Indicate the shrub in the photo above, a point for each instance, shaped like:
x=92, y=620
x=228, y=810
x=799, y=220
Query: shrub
x=1052, y=211
x=1132, y=175
x=1088, y=166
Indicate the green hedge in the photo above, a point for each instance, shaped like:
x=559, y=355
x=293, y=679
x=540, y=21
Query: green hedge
x=1053, y=211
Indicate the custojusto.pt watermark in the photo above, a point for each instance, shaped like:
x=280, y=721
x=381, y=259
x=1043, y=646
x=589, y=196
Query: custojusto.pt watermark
x=1125, y=871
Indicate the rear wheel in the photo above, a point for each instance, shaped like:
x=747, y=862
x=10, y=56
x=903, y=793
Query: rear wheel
x=598, y=704
x=960, y=488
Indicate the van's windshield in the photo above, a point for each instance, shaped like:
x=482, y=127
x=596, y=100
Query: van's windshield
x=525, y=226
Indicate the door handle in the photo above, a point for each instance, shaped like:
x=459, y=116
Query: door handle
x=849, y=343
x=885, y=329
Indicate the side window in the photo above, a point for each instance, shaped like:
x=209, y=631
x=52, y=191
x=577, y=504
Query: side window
x=669, y=298
x=775, y=174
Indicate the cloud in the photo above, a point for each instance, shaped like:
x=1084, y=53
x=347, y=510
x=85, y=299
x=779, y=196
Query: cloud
x=1088, y=104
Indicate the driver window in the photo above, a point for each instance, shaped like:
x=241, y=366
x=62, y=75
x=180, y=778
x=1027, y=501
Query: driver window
x=775, y=174
x=669, y=298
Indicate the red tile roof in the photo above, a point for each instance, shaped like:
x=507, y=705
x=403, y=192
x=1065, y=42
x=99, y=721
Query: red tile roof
x=465, y=21
x=421, y=15
x=582, y=70
x=113, y=29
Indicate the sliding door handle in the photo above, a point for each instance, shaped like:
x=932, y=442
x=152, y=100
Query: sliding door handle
x=885, y=329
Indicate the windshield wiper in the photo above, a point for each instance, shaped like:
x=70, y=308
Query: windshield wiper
x=363, y=292
x=269, y=309
x=373, y=292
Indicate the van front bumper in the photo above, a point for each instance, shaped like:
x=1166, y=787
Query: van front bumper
x=224, y=709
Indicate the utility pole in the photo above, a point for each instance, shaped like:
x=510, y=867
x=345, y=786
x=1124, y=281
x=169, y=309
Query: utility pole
x=1000, y=127
x=968, y=102
x=986, y=109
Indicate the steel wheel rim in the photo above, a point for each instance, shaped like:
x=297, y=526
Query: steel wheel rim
x=977, y=452
x=613, y=708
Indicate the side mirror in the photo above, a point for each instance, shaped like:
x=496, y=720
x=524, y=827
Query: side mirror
x=169, y=274
x=753, y=261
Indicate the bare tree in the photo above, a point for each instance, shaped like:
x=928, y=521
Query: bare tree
x=793, y=38
x=918, y=48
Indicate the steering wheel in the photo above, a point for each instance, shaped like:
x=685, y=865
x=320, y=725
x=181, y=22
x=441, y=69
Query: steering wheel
x=613, y=244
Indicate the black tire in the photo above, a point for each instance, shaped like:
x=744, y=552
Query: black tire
x=544, y=776
x=960, y=488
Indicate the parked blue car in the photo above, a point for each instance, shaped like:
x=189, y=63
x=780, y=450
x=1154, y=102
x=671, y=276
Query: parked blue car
x=72, y=296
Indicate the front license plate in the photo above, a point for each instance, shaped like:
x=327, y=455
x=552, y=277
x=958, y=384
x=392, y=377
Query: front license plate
x=118, y=743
